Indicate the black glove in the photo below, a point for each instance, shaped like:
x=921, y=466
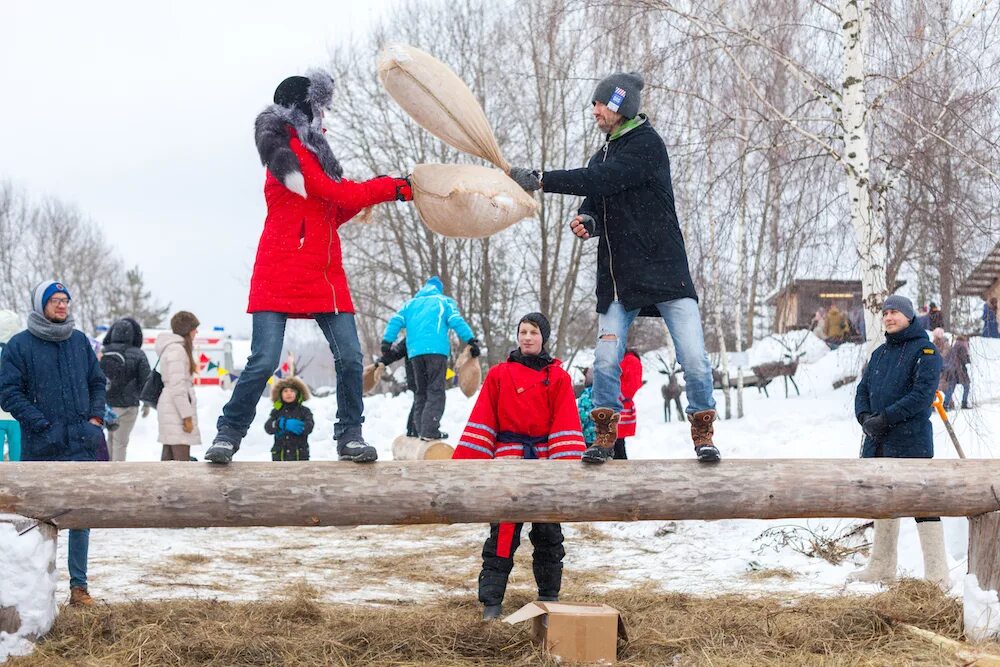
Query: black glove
x=528, y=179
x=404, y=189
x=386, y=348
x=474, y=347
x=876, y=426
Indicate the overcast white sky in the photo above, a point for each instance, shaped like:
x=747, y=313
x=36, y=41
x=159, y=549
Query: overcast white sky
x=141, y=114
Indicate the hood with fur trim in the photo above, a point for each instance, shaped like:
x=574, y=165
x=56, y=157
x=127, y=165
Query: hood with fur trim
x=293, y=382
x=271, y=135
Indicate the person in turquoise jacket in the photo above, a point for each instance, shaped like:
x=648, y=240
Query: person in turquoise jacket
x=427, y=318
x=10, y=430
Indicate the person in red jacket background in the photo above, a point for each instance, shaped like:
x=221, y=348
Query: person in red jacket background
x=526, y=410
x=298, y=271
x=630, y=382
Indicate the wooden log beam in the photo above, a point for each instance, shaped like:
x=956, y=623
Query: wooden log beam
x=134, y=495
x=981, y=599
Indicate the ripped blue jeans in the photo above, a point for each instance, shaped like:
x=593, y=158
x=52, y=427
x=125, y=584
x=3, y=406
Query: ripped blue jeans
x=684, y=322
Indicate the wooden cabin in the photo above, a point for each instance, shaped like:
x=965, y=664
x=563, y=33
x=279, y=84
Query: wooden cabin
x=984, y=280
x=796, y=303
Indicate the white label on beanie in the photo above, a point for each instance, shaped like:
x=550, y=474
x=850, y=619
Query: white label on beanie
x=616, y=100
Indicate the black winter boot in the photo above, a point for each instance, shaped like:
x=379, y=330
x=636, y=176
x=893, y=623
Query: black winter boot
x=356, y=450
x=492, y=612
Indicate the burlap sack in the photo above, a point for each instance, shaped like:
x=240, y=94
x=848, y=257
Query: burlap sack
x=371, y=376
x=468, y=201
x=470, y=372
x=439, y=101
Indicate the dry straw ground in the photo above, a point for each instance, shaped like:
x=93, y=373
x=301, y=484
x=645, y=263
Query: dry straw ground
x=665, y=629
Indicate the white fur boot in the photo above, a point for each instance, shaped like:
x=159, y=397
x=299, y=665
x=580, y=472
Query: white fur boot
x=935, y=560
x=882, y=564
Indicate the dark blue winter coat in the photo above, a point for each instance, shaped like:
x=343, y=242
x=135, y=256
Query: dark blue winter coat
x=52, y=390
x=900, y=382
x=641, y=259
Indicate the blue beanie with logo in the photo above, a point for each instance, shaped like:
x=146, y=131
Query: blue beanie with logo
x=43, y=291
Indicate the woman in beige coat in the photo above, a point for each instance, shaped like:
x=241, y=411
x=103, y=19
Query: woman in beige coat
x=177, y=409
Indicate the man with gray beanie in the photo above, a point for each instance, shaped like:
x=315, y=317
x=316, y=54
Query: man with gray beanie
x=642, y=266
x=51, y=383
x=893, y=406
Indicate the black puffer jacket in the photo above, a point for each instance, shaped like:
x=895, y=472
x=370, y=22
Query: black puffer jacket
x=641, y=260
x=124, y=363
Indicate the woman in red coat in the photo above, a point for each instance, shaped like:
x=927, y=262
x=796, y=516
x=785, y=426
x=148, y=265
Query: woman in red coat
x=298, y=271
x=630, y=382
x=527, y=410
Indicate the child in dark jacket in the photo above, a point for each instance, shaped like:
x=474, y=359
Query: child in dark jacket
x=525, y=410
x=290, y=422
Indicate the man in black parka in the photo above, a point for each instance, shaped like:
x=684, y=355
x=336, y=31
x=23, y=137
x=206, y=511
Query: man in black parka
x=642, y=266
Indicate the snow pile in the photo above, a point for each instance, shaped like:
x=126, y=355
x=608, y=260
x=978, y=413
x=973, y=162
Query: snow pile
x=982, y=611
x=28, y=586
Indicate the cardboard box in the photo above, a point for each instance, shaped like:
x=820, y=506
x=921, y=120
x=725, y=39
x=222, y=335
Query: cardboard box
x=574, y=632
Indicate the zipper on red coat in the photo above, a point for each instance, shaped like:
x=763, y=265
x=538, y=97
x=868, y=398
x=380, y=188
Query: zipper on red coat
x=607, y=241
x=329, y=259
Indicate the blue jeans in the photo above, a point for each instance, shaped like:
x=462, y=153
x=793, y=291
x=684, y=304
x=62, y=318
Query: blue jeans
x=949, y=392
x=79, y=545
x=266, y=342
x=11, y=431
x=684, y=322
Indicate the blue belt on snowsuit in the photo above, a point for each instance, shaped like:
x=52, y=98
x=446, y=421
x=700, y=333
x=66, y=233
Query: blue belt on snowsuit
x=527, y=442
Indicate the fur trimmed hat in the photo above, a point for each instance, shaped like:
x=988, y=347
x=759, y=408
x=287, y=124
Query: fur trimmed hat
x=289, y=383
x=183, y=323
x=308, y=93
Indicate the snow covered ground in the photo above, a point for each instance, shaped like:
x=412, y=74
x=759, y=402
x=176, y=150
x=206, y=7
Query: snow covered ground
x=380, y=564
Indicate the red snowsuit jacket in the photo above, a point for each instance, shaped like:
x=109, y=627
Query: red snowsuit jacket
x=520, y=400
x=630, y=383
x=298, y=270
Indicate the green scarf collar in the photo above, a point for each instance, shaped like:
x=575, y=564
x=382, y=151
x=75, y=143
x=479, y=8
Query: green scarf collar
x=627, y=126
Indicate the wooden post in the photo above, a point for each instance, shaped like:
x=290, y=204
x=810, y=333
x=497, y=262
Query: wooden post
x=314, y=493
x=982, y=605
x=27, y=576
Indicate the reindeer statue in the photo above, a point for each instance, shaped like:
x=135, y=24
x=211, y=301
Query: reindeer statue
x=785, y=368
x=672, y=390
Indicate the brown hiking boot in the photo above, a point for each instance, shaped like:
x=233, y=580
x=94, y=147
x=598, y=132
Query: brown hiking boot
x=701, y=435
x=79, y=597
x=606, y=428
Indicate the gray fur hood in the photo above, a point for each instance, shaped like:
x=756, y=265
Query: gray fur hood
x=271, y=135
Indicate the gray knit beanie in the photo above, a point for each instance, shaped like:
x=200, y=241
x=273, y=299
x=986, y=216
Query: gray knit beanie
x=900, y=303
x=620, y=92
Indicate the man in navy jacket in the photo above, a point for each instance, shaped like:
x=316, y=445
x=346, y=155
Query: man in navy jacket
x=51, y=383
x=893, y=406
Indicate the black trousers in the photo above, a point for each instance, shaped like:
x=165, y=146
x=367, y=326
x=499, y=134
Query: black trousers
x=620, y=454
x=428, y=398
x=411, y=384
x=498, y=559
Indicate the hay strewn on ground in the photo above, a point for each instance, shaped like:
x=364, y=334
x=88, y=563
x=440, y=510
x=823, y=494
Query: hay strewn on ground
x=664, y=628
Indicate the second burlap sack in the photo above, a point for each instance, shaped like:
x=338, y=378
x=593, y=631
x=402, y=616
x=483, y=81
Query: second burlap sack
x=469, y=371
x=468, y=201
